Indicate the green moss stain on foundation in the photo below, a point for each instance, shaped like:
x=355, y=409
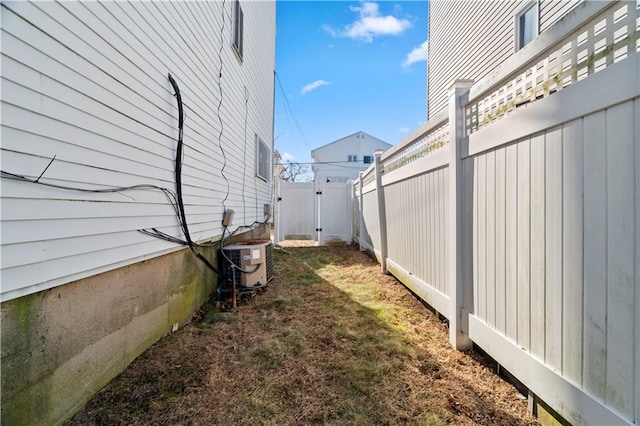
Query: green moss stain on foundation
x=20, y=319
x=46, y=379
x=195, y=287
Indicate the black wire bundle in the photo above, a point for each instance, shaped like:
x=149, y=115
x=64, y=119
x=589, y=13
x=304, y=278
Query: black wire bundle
x=182, y=217
x=175, y=198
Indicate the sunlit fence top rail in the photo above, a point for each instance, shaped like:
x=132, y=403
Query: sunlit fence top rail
x=610, y=37
x=433, y=135
x=369, y=176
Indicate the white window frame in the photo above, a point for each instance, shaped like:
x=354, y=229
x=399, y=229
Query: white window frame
x=518, y=26
x=237, y=31
x=263, y=159
x=351, y=158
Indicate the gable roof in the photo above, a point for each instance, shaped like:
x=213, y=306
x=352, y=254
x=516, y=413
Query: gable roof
x=347, y=137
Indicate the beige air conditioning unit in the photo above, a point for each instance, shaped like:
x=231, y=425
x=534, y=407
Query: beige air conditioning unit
x=248, y=263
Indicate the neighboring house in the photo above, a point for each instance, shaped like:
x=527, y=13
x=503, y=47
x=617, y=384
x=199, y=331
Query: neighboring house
x=342, y=160
x=468, y=40
x=90, y=157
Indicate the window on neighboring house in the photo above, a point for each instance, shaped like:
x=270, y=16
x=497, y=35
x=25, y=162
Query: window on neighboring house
x=238, y=28
x=352, y=158
x=263, y=159
x=368, y=159
x=526, y=25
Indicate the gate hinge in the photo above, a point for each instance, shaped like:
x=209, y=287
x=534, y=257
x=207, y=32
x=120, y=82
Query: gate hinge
x=318, y=192
x=318, y=229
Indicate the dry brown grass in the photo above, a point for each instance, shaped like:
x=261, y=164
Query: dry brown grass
x=332, y=341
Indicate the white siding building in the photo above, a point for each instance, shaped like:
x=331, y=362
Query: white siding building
x=469, y=39
x=342, y=160
x=88, y=116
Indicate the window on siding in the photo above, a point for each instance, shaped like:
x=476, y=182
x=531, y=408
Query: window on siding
x=368, y=159
x=526, y=25
x=263, y=159
x=238, y=28
x=352, y=158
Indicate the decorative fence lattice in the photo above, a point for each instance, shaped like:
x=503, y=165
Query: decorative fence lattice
x=435, y=139
x=605, y=40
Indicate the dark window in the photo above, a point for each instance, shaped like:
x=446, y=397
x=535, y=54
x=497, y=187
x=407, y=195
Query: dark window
x=263, y=159
x=368, y=159
x=238, y=28
x=527, y=26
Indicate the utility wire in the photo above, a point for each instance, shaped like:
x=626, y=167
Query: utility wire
x=288, y=107
x=224, y=156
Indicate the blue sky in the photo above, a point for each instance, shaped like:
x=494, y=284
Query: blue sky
x=346, y=67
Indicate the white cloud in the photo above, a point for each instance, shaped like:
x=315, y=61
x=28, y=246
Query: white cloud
x=418, y=54
x=403, y=130
x=370, y=24
x=311, y=86
x=287, y=157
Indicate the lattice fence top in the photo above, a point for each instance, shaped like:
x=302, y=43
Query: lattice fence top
x=368, y=178
x=607, y=39
x=435, y=139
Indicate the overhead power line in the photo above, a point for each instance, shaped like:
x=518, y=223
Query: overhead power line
x=298, y=127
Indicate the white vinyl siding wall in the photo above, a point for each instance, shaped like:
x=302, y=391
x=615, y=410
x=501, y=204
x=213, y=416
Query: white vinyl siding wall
x=343, y=159
x=87, y=83
x=467, y=40
x=552, y=11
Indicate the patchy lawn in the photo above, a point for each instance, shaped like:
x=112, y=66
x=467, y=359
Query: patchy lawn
x=331, y=341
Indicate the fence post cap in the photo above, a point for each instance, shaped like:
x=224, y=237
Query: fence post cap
x=461, y=84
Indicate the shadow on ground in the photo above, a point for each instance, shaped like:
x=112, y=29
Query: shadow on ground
x=332, y=341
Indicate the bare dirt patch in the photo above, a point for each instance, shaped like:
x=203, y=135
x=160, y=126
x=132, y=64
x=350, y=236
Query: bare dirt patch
x=331, y=341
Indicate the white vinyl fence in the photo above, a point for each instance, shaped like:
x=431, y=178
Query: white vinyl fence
x=515, y=214
x=320, y=211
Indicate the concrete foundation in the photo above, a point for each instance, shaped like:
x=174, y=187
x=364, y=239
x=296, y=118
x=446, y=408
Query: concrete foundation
x=60, y=346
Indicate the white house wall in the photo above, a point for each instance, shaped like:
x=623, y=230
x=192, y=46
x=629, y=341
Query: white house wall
x=552, y=11
x=87, y=82
x=339, y=151
x=468, y=39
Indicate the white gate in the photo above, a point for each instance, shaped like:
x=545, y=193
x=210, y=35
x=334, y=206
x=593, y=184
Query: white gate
x=313, y=211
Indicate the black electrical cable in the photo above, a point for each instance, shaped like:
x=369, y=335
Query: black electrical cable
x=175, y=199
x=112, y=189
x=178, y=162
x=178, y=177
x=224, y=156
x=244, y=170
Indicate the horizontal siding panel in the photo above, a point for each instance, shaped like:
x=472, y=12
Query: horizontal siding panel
x=553, y=10
x=93, y=77
x=29, y=209
x=87, y=264
x=39, y=251
x=490, y=26
x=467, y=40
